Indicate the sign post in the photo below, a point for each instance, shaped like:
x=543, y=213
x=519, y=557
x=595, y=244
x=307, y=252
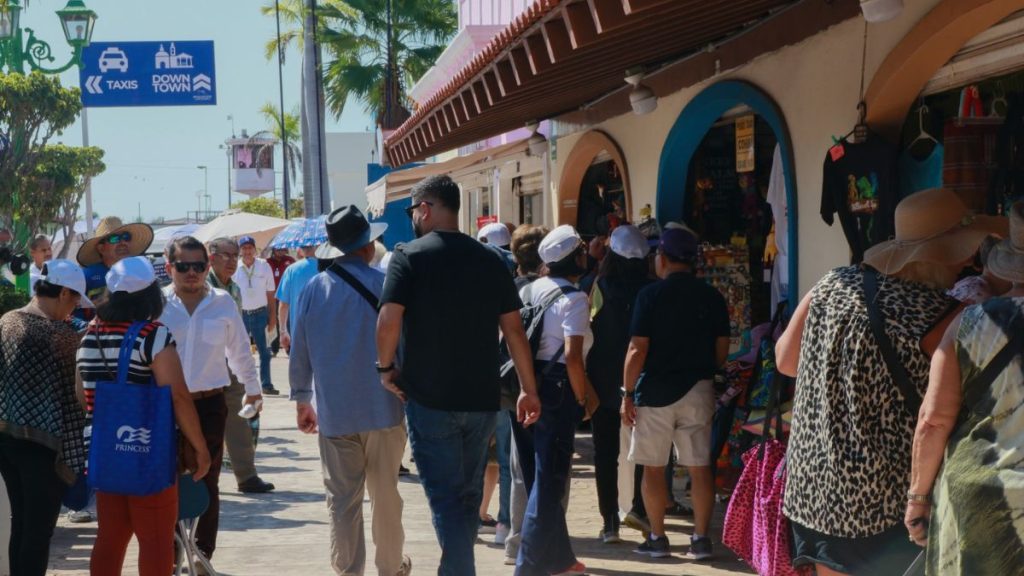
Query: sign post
x=170, y=73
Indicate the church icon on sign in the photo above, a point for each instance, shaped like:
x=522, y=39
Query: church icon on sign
x=172, y=60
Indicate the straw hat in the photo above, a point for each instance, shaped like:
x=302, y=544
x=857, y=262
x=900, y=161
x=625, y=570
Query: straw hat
x=1007, y=259
x=142, y=237
x=933, y=226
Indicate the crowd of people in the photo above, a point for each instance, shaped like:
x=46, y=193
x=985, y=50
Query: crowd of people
x=485, y=355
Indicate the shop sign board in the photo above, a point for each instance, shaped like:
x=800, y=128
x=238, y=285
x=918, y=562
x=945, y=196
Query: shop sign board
x=482, y=221
x=745, y=144
x=168, y=73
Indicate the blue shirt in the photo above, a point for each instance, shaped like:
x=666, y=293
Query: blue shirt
x=334, y=345
x=293, y=280
x=95, y=289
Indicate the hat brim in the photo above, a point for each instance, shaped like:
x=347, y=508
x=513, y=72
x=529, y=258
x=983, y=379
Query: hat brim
x=327, y=252
x=376, y=230
x=1006, y=263
x=953, y=247
x=85, y=302
x=142, y=237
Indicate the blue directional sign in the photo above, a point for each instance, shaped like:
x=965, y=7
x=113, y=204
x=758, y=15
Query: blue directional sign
x=171, y=73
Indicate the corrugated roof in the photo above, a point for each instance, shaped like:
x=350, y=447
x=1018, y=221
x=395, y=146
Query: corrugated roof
x=560, y=54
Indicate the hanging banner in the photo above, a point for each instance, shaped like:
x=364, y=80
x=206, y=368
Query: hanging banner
x=745, y=144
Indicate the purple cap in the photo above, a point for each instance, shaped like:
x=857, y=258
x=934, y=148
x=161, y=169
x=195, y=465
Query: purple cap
x=246, y=240
x=678, y=243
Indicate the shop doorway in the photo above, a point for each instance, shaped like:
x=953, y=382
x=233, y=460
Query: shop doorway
x=716, y=170
x=594, y=189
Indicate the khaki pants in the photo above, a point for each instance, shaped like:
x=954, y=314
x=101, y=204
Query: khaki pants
x=351, y=465
x=238, y=435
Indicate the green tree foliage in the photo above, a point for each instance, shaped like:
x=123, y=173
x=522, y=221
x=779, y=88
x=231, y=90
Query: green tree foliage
x=262, y=206
x=55, y=191
x=289, y=131
x=357, y=40
x=33, y=109
x=297, y=206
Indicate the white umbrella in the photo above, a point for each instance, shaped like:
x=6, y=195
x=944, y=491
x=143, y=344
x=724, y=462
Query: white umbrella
x=235, y=224
x=163, y=236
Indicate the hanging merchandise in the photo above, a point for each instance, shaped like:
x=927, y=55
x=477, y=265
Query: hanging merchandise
x=859, y=185
x=1007, y=185
x=777, y=198
x=969, y=161
x=920, y=164
x=745, y=144
x=727, y=268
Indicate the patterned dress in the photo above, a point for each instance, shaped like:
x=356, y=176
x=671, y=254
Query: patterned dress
x=977, y=524
x=848, y=463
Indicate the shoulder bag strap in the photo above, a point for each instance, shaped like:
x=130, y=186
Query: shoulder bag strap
x=911, y=397
x=548, y=303
x=984, y=379
x=127, y=347
x=356, y=285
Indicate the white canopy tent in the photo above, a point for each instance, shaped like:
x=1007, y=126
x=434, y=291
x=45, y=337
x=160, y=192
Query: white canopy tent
x=163, y=236
x=235, y=224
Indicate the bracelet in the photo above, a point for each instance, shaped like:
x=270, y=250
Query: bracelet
x=385, y=369
x=922, y=498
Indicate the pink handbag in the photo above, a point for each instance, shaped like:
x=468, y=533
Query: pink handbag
x=755, y=528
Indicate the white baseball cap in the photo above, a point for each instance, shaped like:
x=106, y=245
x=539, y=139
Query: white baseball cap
x=130, y=275
x=496, y=233
x=67, y=274
x=629, y=242
x=558, y=244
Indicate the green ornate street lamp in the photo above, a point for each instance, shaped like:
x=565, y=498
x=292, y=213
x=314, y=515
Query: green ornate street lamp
x=17, y=51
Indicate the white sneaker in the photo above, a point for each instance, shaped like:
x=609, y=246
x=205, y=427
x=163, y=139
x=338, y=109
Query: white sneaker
x=510, y=560
x=81, y=516
x=500, y=533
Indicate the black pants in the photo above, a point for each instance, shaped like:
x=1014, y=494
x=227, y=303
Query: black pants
x=35, y=492
x=213, y=416
x=605, y=426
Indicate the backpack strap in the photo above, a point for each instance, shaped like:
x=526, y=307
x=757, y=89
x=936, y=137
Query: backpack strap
x=547, y=303
x=911, y=397
x=356, y=285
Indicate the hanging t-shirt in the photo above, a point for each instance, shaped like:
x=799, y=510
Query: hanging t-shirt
x=780, y=212
x=859, y=185
x=917, y=175
x=969, y=162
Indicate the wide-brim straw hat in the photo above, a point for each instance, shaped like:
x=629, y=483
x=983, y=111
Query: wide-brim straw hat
x=933, y=226
x=142, y=237
x=1006, y=260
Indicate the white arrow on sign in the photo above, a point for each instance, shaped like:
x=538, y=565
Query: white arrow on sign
x=201, y=81
x=92, y=85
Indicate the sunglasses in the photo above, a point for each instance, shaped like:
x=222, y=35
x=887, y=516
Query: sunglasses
x=409, y=210
x=184, y=267
x=117, y=238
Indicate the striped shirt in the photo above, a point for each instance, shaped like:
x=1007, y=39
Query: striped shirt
x=153, y=338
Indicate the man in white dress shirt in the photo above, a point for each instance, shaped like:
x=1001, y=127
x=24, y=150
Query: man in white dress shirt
x=255, y=280
x=207, y=328
x=41, y=252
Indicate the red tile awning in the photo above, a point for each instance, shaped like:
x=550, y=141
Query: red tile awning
x=559, y=55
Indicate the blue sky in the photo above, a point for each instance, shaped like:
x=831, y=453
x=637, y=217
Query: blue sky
x=152, y=153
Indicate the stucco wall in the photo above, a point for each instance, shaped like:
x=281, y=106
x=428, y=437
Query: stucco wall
x=817, y=86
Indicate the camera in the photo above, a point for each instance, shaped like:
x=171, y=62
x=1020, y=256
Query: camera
x=18, y=263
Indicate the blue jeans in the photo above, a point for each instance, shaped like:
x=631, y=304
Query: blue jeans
x=450, y=449
x=256, y=325
x=545, y=454
x=503, y=444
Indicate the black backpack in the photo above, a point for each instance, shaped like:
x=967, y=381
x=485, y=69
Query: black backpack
x=533, y=322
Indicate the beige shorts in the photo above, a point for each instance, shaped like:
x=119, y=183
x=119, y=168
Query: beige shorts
x=686, y=424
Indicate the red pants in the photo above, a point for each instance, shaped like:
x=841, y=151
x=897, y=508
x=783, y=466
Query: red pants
x=150, y=518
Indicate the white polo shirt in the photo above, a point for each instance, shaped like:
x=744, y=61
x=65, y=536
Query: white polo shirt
x=206, y=337
x=254, y=283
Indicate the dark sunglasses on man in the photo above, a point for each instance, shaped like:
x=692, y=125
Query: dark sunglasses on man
x=117, y=238
x=184, y=267
x=410, y=209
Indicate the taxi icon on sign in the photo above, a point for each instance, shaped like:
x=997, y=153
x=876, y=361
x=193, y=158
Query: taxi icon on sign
x=113, y=59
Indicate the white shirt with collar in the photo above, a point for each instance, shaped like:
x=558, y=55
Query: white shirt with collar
x=206, y=337
x=35, y=274
x=254, y=283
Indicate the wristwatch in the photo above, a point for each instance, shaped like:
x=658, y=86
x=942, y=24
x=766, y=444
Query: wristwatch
x=384, y=369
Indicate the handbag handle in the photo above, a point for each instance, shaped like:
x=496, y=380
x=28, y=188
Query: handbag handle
x=124, y=358
x=774, y=407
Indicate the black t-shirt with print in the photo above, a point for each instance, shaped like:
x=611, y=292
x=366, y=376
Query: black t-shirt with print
x=683, y=316
x=453, y=289
x=860, y=186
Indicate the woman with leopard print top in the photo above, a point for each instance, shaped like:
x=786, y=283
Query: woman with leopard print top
x=848, y=462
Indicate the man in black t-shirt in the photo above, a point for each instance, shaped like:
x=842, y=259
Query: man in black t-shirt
x=679, y=338
x=445, y=297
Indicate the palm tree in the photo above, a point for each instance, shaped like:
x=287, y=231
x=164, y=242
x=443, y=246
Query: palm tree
x=379, y=49
x=289, y=134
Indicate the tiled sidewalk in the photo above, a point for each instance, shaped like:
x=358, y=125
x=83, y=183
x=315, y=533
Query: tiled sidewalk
x=286, y=532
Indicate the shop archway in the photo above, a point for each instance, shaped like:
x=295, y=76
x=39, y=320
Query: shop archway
x=686, y=136
x=579, y=160
x=929, y=46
